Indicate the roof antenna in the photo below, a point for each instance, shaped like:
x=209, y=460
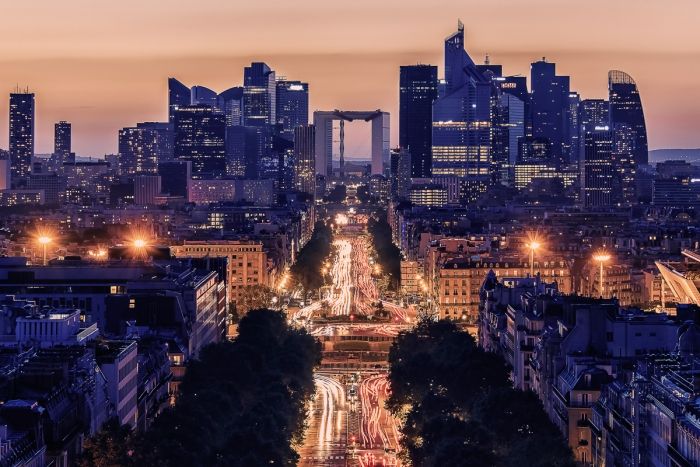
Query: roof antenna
x=487, y=60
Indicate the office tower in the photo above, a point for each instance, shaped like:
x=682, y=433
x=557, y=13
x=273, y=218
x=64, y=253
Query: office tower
x=549, y=102
x=574, y=128
x=199, y=95
x=417, y=92
x=509, y=125
x=292, y=102
x=146, y=189
x=199, y=138
x=624, y=140
x=593, y=113
x=230, y=102
x=141, y=148
x=166, y=138
x=62, y=143
x=626, y=109
x=597, y=169
x=179, y=95
x=175, y=177
x=462, y=122
x=305, y=158
x=284, y=150
x=259, y=95
x=21, y=136
x=401, y=166
x=533, y=150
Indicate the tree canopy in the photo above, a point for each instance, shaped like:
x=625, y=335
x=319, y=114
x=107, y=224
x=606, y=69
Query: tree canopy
x=388, y=254
x=307, y=268
x=458, y=407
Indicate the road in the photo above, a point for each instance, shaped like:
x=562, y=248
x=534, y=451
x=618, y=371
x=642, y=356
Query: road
x=348, y=424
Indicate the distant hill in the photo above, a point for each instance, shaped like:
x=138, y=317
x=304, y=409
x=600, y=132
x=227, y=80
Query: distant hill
x=690, y=155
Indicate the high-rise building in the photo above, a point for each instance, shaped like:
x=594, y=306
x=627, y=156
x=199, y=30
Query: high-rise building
x=593, y=113
x=62, y=143
x=292, y=102
x=21, y=136
x=259, y=95
x=549, y=101
x=230, y=102
x=305, y=158
x=199, y=137
x=401, y=166
x=461, y=136
x=179, y=95
x=200, y=95
x=626, y=109
x=141, y=148
x=417, y=92
x=574, y=128
x=597, y=169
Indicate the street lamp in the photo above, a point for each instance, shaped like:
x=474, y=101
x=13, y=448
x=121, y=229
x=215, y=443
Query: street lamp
x=533, y=246
x=44, y=240
x=139, y=245
x=601, y=257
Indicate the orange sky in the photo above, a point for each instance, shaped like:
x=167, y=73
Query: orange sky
x=103, y=65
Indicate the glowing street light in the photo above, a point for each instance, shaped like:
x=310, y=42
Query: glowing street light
x=533, y=246
x=44, y=241
x=602, y=257
x=139, y=246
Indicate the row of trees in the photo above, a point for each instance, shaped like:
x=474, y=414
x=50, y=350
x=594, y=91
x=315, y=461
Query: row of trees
x=241, y=403
x=389, y=255
x=458, y=407
x=307, y=269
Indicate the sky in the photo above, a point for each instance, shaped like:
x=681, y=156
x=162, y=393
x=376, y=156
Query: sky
x=104, y=65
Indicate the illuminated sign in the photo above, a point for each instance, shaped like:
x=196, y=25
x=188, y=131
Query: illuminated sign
x=509, y=86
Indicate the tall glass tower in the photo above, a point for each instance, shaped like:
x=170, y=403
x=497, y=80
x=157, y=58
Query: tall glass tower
x=259, y=95
x=179, y=95
x=626, y=109
x=292, y=106
x=417, y=92
x=62, y=142
x=462, y=122
x=549, y=104
x=199, y=137
x=21, y=136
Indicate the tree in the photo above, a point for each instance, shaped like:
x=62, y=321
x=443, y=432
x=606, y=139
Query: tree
x=254, y=297
x=458, y=407
x=109, y=447
x=241, y=403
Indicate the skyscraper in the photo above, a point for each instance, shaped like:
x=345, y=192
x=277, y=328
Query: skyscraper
x=292, y=102
x=230, y=102
x=593, y=113
x=199, y=138
x=62, y=143
x=179, y=95
x=259, y=95
x=141, y=148
x=417, y=92
x=597, y=169
x=626, y=109
x=400, y=173
x=200, y=95
x=175, y=177
x=21, y=136
x=549, y=102
x=462, y=122
x=305, y=158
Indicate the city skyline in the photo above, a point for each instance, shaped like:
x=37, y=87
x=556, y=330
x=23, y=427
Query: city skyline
x=116, y=80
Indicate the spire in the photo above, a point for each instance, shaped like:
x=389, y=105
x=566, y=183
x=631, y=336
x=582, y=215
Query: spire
x=460, y=25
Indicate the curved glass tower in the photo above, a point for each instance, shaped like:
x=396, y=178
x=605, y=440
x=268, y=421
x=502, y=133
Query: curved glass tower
x=626, y=111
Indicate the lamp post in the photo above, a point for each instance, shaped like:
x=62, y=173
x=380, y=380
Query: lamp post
x=139, y=246
x=601, y=258
x=44, y=241
x=533, y=246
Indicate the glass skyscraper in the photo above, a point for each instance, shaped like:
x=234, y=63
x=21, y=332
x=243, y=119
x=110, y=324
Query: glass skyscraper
x=462, y=122
x=626, y=109
x=21, y=136
x=179, y=95
x=417, y=92
x=259, y=95
x=549, y=105
x=199, y=137
x=230, y=102
x=62, y=142
x=598, y=174
x=292, y=102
